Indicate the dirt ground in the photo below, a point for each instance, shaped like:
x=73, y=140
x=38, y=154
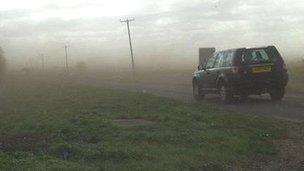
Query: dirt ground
x=177, y=85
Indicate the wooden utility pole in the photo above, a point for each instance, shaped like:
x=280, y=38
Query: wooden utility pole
x=42, y=62
x=66, y=59
x=130, y=41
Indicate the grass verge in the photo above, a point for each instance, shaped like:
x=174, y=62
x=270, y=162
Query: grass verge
x=57, y=125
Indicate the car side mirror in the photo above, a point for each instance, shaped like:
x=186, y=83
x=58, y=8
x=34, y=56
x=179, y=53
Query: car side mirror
x=200, y=67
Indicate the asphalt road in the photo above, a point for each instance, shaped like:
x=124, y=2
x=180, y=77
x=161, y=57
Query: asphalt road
x=179, y=87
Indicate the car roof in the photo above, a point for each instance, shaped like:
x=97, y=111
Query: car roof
x=262, y=47
x=247, y=48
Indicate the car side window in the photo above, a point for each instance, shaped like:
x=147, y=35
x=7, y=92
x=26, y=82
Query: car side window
x=224, y=59
x=227, y=60
x=230, y=59
x=210, y=62
x=218, y=60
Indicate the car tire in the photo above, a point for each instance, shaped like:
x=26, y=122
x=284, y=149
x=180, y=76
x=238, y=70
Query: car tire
x=197, y=92
x=277, y=94
x=225, y=94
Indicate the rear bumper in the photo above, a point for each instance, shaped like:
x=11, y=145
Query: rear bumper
x=252, y=88
x=243, y=86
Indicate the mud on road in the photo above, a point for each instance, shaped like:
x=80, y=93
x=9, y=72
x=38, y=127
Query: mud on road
x=177, y=85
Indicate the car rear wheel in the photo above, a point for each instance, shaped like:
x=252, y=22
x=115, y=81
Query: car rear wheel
x=197, y=92
x=225, y=94
x=277, y=94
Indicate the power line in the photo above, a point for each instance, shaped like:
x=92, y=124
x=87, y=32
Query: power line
x=130, y=41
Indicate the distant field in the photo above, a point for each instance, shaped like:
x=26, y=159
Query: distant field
x=58, y=125
x=178, y=76
x=296, y=73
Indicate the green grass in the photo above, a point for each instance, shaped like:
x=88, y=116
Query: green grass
x=56, y=125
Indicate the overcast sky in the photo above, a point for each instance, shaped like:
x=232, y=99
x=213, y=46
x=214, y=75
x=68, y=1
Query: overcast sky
x=163, y=30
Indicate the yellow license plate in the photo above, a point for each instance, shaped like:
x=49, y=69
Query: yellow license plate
x=261, y=69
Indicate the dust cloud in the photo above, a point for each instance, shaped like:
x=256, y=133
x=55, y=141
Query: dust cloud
x=166, y=36
x=2, y=66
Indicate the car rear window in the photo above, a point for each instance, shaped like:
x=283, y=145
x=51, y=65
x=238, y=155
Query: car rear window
x=256, y=56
